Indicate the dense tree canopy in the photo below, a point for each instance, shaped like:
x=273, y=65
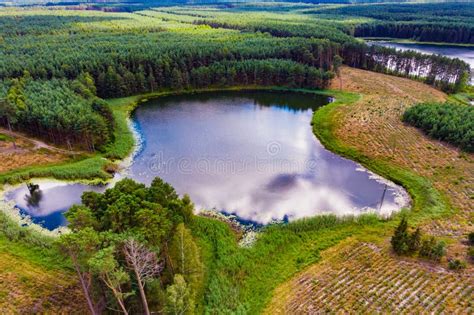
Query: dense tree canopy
x=427, y=22
x=64, y=112
x=132, y=237
x=449, y=122
x=69, y=57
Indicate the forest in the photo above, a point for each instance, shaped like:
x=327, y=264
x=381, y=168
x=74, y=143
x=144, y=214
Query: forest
x=425, y=22
x=82, y=57
x=444, y=121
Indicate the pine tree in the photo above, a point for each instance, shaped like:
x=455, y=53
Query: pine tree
x=185, y=258
x=400, y=238
x=414, y=241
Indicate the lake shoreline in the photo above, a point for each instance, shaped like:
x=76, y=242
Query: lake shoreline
x=411, y=41
x=137, y=100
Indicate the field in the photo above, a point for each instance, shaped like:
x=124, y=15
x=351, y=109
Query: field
x=364, y=278
x=26, y=153
x=29, y=287
x=373, y=128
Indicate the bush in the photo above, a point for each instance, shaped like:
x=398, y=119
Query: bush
x=400, y=238
x=470, y=237
x=470, y=252
x=432, y=249
x=403, y=242
x=456, y=264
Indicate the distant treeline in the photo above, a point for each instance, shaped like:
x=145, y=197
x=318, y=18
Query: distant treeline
x=423, y=32
x=444, y=73
x=54, y=67
x=427, y=22
x=448, y=122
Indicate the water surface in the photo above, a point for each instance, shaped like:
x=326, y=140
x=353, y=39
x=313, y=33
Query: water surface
x=252, y=154
x=46, y=206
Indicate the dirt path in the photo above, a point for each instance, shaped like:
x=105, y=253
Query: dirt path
x=38, y=144
x=360, y=277
x=28, y=152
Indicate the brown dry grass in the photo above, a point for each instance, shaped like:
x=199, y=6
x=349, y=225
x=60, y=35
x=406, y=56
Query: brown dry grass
x=28, y=288
x=358, y=277
x=373, y=126
x=26, y=154
x=363, y=278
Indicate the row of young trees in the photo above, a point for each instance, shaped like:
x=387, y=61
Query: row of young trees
x=63, y=112
x=133, y=252
x=444, y=121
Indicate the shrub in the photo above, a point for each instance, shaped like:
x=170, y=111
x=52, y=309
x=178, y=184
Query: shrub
x=456, y=264
x=470, y=237
x=432, y=249
x=403, y=242
x=414, y=242
x=400, y=238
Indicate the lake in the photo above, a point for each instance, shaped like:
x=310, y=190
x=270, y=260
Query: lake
x=252, y=154
x=464, y=53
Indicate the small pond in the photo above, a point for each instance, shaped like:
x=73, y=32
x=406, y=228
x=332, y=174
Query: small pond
x=252, y=154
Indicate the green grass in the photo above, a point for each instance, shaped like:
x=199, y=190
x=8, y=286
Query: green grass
x=241, y=280
x=464, y=98
x=29, y=245
x=89, y=168
x=124, y=141
x=428, y=203
x=4, y=137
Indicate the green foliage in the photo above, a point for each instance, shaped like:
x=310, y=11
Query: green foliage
x=53, y=110
x=432, y=249
x=456, y=264
x=470, y=252
x=89, y=169
x=449, y=122
x=13, y=232
x=428, y=22
x=179, y=298
x=101, y=251
x=185, y=260
x=241, y=280
x=414, y=241
x=470, y=238
x=401, y=239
